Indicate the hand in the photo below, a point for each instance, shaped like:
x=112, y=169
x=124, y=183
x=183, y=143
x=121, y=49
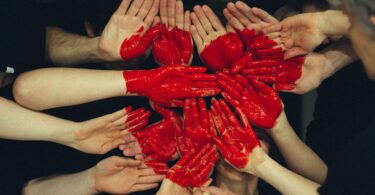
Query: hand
x=168, y=85
x=100, y=135
x=174, y=44
x=283, y=73
x=261, y=104
x=249, y=23
x=193, y=169
x=315, y=70
x=128, y=34
x=237, y=140
x=198, y=127
x=156, y=142
x=119, y=175
x=300, y=34
x=217, y=48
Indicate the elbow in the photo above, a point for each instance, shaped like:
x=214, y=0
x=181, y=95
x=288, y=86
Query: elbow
x=24, y=92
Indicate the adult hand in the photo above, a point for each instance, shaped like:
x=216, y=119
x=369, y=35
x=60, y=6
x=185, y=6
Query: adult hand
x=118, y=175
x=282, y=73
x=261, y=104
x=100, y=135
x=174, y=44
x=198, y=127
x=169, y=85
x=237, y=140
x=193, y=169
x=156, y=143
x=128, y=34
x=217, y=48
x=300, y=34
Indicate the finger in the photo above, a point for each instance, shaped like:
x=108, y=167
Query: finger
x=118, y=114
x=156, y=21
x=197, y=24
x=263, y=78
x=135, y=7
x=263, y=63
x=229, y=85
x=188, y=117
x=131, y=151
x=143, y=187
x=219, y=111
x=214, y=20
x=229, y=99
x=139, y=157
x=230, y=28
x=217, y=118
x=121, y=10
x=262, y=87
x=203, y=19
x=263, y=15
x=222, y=147
x=151, y=16
x=228, y=112
x=203, y=114
x=180, y=14
x=171, y=13
x=243, y=117
x=164, y=11
x=150, y=179
x=176, y=103
x=197, y=157
x=135, y=114
x=143, y=11
x=233, y=21
x=125, y=162
x=187, y=21
x=260, y=71
x=136, y=127
x=195, y=113
x=272, y=28
x=203, y=92
x=285, y=87
x=293, y=52
x=192, y=69
x=197, y=38
x=238, y=14
x=128, y=138
x=246, y=11
x=207, y=167
x=111, y=145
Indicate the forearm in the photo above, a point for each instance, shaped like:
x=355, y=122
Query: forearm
x=56, y=87
x=284, y=180
x=80, y=183
x=298, y=156
x=333, y=23
x=66, y=49
x=18, y=123
x=338, y=55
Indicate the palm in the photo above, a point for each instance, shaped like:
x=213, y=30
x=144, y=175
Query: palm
x=119, y=28
x=313, y=73
x=98, y=135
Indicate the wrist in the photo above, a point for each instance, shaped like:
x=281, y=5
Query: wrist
x=136, y=81
x=91, y=181
x=282, y=127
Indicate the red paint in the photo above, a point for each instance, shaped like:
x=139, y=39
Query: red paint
x=261, y=104
x=222, y=52
x=169, y=85
x=193, y=169
x=172, y=46
x=137, y=44
x=198, y=127
x=237, y=141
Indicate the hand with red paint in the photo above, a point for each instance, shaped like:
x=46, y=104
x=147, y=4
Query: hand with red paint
x=248, y=22
x=191, y=171
x=169, y=85
x=217, y=47
x=128, y=34
x=261, y=104
x=198, y=127
x=174, y=44
x=282, y=73
x=100, y=135
x=155, y=144
x=238, y=140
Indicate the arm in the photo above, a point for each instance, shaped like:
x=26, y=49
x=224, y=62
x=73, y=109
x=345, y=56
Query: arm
x=66, y=49
x=97, y=136
x=299, y=157
x=284, y=180
x=115, y=175
x=126, y=36
x=55, y=87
